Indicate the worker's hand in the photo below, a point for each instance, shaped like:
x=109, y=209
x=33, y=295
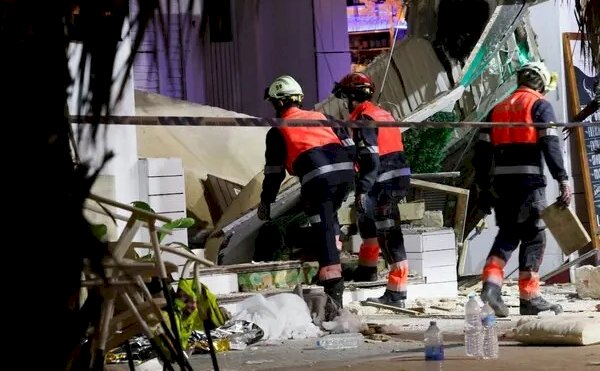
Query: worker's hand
x=264, y=211
x=565, y=194
x=360, y=201
x=485, y=201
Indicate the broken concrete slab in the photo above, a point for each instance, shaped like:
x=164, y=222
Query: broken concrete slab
x=587, y=282
x=412, y=210
x=232, y=241
x=432, y=219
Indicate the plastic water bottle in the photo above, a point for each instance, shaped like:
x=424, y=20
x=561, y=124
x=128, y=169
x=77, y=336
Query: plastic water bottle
x=340, y=341
x=434, y=343
x=490, y=337
x=473, y=328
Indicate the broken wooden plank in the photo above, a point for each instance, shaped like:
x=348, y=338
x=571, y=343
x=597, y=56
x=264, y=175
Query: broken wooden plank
x=252, y=267
x=219, y=195
x=438, y=187
x=392, y=308
x=461, y=203
x=460, y=217
x=442, y=174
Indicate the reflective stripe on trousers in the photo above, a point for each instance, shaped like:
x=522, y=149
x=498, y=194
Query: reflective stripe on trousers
x=520, y=169
x=393, y=174
x=347, y=142
x=398, y=276
x=493, y=271
x=368, y=256
x=529, y=285
x=327, y=169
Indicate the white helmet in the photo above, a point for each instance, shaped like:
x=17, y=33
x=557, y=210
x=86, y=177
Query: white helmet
x=549, y=79
x=284, y=87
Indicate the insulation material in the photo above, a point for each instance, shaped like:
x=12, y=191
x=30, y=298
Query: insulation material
x=232, y=153
x=564, y=329
x=587, y=282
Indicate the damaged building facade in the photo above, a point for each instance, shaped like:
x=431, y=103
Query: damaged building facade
x=433, y=73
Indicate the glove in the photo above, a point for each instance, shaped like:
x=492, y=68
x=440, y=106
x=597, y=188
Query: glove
x=264, y=211
x=485, y=201
x=360, y=202
x=565, y=194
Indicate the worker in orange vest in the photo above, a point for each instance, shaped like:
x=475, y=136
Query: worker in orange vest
x=315, y=155
x=510, y=178
x=382, y=181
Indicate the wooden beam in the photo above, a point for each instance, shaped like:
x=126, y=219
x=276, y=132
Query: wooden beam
x=460, y=216
x=574, y=108
x=438, y=187
x=462, y=200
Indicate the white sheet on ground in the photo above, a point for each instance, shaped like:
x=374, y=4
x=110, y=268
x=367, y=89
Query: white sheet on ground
x=281, y=316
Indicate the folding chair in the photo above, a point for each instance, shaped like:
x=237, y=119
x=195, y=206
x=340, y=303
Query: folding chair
x=125, y=285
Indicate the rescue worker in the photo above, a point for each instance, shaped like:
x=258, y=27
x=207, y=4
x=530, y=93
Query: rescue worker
x=317, y=157
x=508, y=162
x=382, y=180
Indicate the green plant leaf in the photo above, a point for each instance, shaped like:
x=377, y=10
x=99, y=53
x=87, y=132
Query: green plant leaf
x=177, y=223
x=99, y=230
x=142, y=205
x=180, y=223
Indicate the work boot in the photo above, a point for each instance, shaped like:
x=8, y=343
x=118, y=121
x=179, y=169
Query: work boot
x=392, y=298
x=365, y=274
x=492, y=294
x=537, y=305
x=335, y=289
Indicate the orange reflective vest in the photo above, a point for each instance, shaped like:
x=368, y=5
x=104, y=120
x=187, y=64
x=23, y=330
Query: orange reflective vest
x=516, y=108
x=301, y=139
x=389, y=140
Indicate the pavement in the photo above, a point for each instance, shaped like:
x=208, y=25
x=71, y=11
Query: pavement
x=404, y=349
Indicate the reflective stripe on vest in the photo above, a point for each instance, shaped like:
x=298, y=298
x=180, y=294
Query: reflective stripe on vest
x=326, y=169
x=389, y=140
x=347, y=142
x=519, y=169
x=515, y=108
x=301, y=139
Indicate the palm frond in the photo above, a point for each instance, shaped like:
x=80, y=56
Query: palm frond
x=587, y=14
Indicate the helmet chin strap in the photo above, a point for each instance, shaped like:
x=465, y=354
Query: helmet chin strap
x=281, y=105
x=349, y=105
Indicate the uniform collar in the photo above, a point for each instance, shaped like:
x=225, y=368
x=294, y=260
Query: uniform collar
x=360, y=109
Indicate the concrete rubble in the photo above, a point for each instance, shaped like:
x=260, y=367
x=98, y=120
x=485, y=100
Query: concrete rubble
x=587, y=282
x=390, y=333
